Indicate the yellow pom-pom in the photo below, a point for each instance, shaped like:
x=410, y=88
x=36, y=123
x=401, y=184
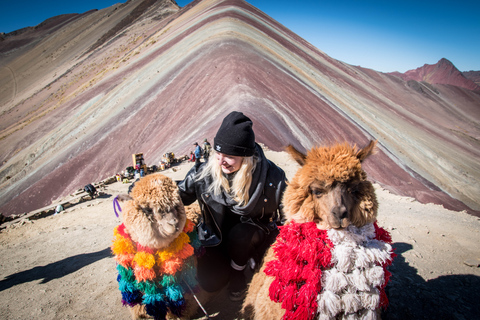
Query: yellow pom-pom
x=144, y=259
x=122, y=246
x=179, y=243
x=173, y=248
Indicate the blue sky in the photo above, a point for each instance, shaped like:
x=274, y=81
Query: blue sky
x=381, y=35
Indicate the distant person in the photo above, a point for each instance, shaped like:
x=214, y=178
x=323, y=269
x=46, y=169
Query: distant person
x=192, y=156
x=197, y=153
x=207, y=148
x=239, y=191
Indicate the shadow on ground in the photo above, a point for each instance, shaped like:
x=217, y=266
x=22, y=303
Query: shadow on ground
x=54, y=270
x=446, y=297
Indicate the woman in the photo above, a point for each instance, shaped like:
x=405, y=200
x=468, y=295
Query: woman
x=239, y=192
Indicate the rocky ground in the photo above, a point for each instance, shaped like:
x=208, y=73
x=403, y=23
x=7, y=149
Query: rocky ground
x=60, y=266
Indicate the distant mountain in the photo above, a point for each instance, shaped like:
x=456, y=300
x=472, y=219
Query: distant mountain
x=79, y=94
x=443, y=72
x=22, y=37
x=473, y=75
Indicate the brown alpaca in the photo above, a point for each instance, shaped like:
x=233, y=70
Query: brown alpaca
x=329, y=191
x=154, y=217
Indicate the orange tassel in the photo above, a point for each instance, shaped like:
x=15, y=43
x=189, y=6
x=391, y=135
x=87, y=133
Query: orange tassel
x=172, y=266
x=189, y=226
x=125, y=259
x=143, y=274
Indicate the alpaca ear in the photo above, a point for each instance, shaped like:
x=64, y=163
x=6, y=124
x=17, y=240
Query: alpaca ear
x=296, y=155
x=367, y=151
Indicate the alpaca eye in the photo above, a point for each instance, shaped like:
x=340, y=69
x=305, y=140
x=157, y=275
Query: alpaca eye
x=353, y=188
x=148, y=210
x=317, y=192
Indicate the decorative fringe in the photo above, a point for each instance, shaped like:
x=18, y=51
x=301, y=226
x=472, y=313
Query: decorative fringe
x=329, y=274
x=155, y=277
x=361, y=255
x=302, y=251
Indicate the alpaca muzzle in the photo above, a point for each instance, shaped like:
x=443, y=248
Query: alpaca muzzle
x=338, y=218
x=338, y=215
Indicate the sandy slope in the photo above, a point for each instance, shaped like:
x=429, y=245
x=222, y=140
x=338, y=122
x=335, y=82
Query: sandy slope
x=60, y=267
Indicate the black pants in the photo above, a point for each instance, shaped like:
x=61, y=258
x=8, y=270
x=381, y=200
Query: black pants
x=242, y=242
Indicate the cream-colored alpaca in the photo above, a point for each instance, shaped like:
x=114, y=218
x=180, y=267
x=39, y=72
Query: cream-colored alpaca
x=329, y=192
x=154, y=251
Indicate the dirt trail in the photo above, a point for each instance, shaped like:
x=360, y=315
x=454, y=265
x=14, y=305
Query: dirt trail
x=60, y=267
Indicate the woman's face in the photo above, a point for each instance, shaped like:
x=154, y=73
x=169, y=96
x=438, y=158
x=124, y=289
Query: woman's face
x=229, y=164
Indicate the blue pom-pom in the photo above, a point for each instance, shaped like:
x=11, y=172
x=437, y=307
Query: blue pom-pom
x=177, y=307
x=126, y=286
x=173, y=293
x=131, y=298
x=157, y=309
x=153, y=298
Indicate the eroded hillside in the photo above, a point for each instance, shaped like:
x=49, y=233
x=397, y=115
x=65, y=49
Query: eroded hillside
x=147, y=76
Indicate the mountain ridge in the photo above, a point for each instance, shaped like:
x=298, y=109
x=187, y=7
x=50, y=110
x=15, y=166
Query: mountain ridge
x=473, y=75
x=443, y=72
x=167, y=78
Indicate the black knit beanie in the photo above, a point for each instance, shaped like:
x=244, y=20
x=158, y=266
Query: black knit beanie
x=235, y=136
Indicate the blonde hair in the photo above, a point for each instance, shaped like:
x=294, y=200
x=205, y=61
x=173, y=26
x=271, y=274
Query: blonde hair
x=241, y=181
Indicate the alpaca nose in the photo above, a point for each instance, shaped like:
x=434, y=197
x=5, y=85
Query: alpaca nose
x=340, y=212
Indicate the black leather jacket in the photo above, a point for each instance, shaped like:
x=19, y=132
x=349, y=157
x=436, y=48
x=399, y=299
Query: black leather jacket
x=263, y=209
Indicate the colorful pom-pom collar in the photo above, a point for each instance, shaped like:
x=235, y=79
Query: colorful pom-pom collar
x=319, y=274
x=156, y=278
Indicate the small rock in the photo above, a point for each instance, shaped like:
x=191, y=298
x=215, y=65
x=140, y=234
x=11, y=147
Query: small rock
x=472, y=263
x=418, y=254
